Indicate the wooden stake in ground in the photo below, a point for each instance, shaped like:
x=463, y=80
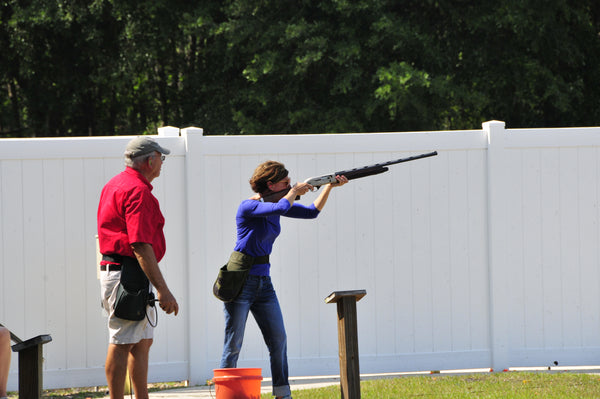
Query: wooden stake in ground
x=348, y=340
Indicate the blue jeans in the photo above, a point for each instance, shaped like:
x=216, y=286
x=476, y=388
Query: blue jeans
x=258, y=296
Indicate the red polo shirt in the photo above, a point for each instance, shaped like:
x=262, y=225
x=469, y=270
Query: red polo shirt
x=129, y=213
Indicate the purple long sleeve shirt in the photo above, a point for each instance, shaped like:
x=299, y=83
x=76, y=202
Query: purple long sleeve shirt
x=258, y=226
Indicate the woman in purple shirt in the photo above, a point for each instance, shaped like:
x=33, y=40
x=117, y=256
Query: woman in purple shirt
x=258, y=226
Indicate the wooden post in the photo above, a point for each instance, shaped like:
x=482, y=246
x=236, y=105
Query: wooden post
x=348, y=340
x=30, y=366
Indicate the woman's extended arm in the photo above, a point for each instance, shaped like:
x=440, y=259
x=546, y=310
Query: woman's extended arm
x=321, y=200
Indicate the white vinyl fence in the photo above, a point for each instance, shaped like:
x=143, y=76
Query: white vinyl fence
x=486, y=255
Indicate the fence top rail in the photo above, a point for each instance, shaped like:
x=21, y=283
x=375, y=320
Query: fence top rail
x=76, y=147
x=557, y=137
x=349, y=142
x=104, y=146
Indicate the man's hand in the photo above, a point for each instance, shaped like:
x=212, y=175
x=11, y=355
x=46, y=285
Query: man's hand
x=167, y=301
x=145, y=256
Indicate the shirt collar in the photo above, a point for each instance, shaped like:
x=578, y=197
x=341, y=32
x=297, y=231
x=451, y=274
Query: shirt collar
x=129, y=170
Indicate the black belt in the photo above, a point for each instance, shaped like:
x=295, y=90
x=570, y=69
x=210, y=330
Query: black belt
x=110, y=267
x=260, y=260
x=116, y=261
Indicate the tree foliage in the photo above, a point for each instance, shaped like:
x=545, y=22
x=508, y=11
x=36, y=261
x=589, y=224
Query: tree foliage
x=104, y=67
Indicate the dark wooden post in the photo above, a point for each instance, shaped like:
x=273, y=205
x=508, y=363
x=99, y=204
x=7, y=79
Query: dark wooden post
x=30, y=366
x=348, y=340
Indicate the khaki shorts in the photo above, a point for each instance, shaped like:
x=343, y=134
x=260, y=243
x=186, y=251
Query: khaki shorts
x=123, y=331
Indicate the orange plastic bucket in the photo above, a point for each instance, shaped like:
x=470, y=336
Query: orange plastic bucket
x=243, y=383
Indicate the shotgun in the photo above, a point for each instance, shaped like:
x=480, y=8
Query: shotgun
x=363, y=171
x=351, y=174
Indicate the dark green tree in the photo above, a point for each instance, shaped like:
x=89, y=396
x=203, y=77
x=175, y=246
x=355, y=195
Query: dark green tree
x=72, y=68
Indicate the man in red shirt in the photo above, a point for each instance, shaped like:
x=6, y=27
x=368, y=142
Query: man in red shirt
x=130, y=234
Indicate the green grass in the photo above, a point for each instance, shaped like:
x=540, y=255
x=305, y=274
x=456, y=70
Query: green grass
x=518, y=385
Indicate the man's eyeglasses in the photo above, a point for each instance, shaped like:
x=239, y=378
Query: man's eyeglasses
x=162, y=157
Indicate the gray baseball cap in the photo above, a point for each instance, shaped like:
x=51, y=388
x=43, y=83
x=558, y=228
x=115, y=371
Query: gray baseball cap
x=143, y=145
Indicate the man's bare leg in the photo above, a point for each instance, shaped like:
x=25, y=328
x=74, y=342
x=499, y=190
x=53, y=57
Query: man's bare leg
x=116, y=369
x=138, y=368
